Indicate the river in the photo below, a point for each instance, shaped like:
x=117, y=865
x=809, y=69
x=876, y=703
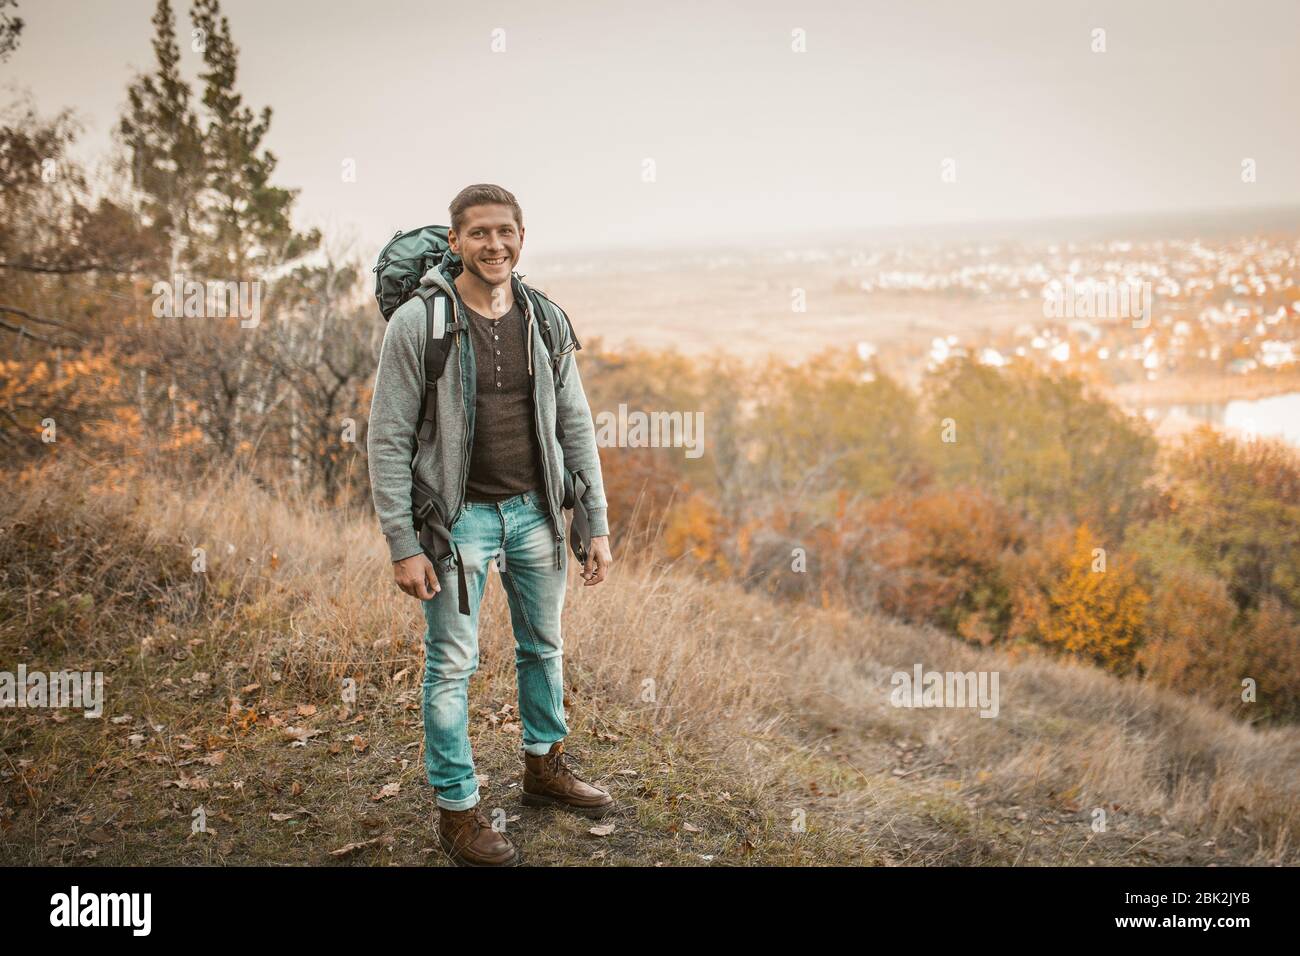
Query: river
x=1276, y=416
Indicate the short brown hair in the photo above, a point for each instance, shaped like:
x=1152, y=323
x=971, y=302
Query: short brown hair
x=481, y=194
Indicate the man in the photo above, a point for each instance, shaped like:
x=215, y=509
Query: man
x=497, y=467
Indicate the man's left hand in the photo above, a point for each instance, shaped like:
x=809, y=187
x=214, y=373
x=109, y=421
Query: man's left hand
x=598, y=561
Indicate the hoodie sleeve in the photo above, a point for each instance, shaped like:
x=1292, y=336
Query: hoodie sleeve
x=580, y=450
x=390, y=437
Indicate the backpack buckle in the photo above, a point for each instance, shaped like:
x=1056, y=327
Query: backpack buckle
x=422, y=510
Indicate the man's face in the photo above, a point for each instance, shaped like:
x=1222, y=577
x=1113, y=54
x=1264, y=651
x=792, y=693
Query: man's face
x=488, y=242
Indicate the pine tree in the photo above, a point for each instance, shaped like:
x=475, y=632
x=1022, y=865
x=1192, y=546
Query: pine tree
x=247, y=219
x=162, y=134
x=11, y=28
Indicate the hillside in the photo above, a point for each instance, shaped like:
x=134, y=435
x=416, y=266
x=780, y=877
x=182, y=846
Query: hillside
x=732, y=730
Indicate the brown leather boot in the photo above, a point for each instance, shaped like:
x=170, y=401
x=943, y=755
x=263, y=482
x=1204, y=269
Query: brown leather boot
x=469, y=839
x=548, y=782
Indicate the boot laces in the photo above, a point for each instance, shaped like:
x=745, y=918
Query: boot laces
x=559, y=764
x=479, y=818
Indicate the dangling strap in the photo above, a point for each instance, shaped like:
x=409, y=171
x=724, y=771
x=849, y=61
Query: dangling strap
x=435, y=539
x=437, y=531
x=580, y=526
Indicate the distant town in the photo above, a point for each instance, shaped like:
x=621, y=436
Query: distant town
x=1214, y=308
x=1176, y=329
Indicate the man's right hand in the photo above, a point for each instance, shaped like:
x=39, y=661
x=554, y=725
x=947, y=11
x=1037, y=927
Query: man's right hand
x=415, y=576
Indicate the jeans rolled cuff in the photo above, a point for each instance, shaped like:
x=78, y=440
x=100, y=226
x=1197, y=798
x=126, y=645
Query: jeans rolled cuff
x=470, y=801
x=541, y=749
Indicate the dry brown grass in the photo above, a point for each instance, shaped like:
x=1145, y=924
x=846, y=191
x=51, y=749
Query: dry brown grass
x=721, y=720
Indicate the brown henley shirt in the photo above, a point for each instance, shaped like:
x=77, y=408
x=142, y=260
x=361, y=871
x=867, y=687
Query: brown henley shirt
x=505, y=459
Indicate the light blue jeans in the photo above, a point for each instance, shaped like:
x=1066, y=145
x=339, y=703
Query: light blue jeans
x=514, y=536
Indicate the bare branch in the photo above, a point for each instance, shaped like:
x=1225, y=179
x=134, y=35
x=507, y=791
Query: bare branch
x=24, y=331
x=22, y=314
x=65, y=270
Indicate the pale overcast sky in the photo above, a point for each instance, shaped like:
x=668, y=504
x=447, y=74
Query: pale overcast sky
x=749, y=138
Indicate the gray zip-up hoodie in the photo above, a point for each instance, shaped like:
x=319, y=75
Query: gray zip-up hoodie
x=444, y=462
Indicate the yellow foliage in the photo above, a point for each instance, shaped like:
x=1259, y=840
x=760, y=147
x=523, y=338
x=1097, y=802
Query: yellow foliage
x=1095, y=610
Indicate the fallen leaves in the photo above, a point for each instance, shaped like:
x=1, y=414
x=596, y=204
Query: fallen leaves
x=388, y=790
x=353, y=847
x=506, y=719
x=300, y=735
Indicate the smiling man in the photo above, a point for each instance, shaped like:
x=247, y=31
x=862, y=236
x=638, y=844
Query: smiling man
x=510, y=421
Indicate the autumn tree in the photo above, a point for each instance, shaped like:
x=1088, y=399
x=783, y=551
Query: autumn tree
x=1090, y=606
x=831, y=423
x=53, y=222
x=1234, y=512
x=940, y=557
x=67, y=250
x=1041, y=442
x=645, y=485
x=1201, y=644
x=319, y=360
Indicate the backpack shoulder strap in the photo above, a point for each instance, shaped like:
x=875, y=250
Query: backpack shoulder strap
x=441, y=321
x=543, y=319
x=540, y=297
x=557, y=331
x=549, y=315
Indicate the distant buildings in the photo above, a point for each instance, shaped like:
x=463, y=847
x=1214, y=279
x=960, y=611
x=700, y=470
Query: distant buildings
x=1227, y=306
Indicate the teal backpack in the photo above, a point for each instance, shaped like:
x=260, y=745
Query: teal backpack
x=407, y=257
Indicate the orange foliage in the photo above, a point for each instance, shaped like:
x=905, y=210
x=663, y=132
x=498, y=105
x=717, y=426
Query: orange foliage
x=640, y=486
x=1202, y=645
x=1086, y=603
x=939, y=558
x=696, y=527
